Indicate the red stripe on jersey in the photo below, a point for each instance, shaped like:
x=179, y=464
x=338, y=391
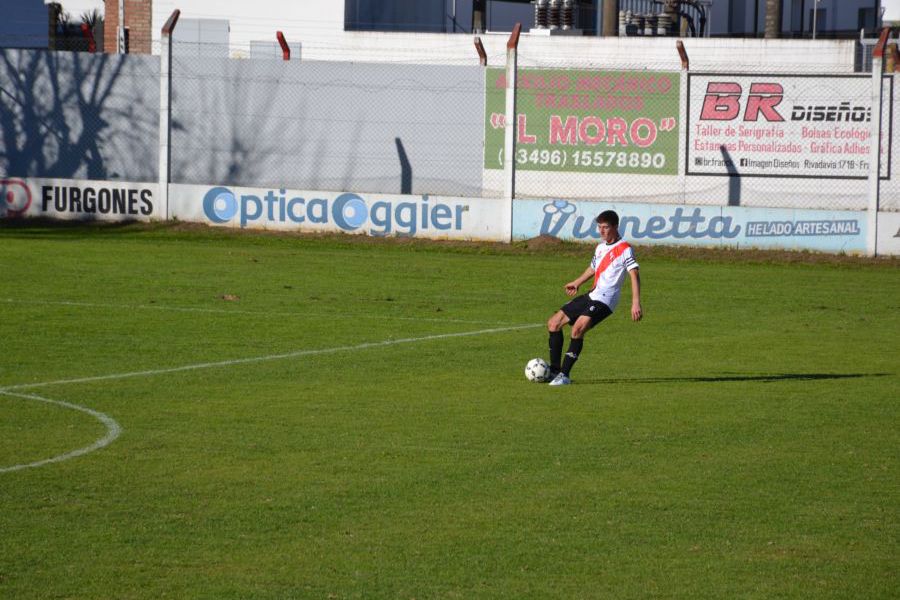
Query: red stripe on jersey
x=607, y=259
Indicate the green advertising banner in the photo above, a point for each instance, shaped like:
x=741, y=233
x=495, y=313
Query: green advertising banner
x=586, y=121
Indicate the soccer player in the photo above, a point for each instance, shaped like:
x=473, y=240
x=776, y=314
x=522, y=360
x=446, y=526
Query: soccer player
x=613, y=257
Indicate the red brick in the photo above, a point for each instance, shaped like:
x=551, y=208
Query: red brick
x=138, y=20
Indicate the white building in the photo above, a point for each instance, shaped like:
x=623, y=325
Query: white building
x=321, y=22
x=832, y=18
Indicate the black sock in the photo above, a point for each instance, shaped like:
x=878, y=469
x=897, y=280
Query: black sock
x=556, y=344
x=572, y=355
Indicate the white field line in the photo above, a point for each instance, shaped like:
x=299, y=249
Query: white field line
x=270, y=357
x=112, y=432
x=223, y=311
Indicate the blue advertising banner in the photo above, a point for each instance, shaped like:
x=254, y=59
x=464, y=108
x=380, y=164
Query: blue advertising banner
x=720, y=226
x=434, y=217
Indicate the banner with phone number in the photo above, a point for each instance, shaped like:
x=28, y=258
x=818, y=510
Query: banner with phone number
x=586, y=121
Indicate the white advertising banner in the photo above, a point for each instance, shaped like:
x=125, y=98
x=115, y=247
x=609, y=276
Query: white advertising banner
x=889, y=234
x=704, y=226
x=891, y=13
x=435, y=217
x=784, y=126
x=77, y=199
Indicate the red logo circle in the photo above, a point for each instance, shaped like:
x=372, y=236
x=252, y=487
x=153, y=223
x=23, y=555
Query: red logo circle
x=16, y=195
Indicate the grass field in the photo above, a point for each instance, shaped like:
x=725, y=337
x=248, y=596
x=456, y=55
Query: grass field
x=291, y=417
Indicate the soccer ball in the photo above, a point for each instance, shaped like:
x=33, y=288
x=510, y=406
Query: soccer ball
x=537, y=370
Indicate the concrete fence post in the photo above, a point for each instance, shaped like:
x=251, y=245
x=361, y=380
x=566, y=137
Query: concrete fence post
x=120, y=29
x=165, y=110
x=874, y=190
x=285, y=49
x=682, y=115
x=482, y=55
x=509, y=145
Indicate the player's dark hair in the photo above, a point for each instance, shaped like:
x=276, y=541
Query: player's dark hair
x=609, y=217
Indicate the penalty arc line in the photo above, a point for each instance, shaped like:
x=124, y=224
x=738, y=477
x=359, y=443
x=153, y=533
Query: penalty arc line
x=266, y=358
x=113, y=430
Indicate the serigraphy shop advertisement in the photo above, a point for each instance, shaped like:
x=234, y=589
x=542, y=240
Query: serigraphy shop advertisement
x=784, y=126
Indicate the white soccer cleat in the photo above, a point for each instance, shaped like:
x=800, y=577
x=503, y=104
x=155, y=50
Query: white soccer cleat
x=561, y=379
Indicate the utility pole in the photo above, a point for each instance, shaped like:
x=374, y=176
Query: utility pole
x=756, y=19
x=120, y=30
x=773, y=19
x=815, y=16
x=610, y=17
x=479, y=7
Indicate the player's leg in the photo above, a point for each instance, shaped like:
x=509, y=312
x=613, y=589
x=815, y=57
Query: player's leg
x=568, y=313
x=554, y=327
x=580, y=327
x=593, y=314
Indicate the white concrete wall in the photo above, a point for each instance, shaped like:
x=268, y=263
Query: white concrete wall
x=315, y=22
x=319, y=26
x=753, y=55
x=891, y=11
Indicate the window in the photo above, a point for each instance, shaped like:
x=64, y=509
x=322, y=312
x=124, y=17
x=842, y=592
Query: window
x=797, y=16
x=820, y=18
x=866, y=19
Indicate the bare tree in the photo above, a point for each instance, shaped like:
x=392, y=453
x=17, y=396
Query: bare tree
x=63, y=20
x=773, y=18
x=92, y=18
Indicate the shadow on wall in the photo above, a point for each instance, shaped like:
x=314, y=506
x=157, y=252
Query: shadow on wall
x=734, y=178
x=60, y=117
x=252, y=128
x=359, y=127
x=216, y=137
x=405, y=168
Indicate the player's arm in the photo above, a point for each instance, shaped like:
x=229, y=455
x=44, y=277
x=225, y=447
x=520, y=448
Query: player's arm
x=572, y=286
x=636, y=311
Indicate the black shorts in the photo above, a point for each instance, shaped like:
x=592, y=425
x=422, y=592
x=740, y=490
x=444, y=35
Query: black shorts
x=584, y=306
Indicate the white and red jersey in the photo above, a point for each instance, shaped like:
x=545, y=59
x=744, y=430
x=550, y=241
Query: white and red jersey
x=610, y=263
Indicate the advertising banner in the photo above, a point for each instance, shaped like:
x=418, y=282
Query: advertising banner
x=586, y=121
x=784, y=126
x=723, y=226
x=435, y=217
x=79, y=199
x=889, y=233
